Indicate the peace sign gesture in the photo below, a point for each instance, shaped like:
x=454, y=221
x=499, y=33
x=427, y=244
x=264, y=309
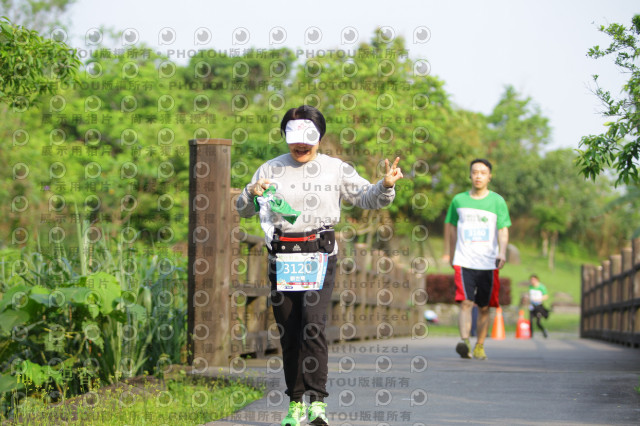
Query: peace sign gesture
x=393, y=173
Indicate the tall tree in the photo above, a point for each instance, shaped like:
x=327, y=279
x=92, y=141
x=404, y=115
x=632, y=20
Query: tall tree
x=619, y=146
x=516, y=131
x=583, y=213
x=555, y=202
x=32, y=65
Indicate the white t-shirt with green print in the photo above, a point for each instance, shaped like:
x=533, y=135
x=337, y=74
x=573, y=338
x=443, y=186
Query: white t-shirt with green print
x=478, y=221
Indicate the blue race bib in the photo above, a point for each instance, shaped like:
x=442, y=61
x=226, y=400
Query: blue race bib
x=300, y=271
x=476, y=235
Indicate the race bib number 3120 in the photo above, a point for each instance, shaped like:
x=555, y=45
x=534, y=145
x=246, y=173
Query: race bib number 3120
x=300, y=271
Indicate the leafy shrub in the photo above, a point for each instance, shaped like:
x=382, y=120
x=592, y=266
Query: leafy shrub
x=62, y=331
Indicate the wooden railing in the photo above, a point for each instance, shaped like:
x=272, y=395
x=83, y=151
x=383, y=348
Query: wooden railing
x=611, y=298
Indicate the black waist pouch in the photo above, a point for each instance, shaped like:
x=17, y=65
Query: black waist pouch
x=316, y=241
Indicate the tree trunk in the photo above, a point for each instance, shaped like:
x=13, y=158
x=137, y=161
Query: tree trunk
x=552, y=249
x=545, y=243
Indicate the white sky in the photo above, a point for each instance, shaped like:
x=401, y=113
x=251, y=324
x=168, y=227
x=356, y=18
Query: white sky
x=477, y=48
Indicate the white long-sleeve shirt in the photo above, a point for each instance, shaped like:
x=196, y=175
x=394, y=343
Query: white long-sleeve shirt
x=315, y=189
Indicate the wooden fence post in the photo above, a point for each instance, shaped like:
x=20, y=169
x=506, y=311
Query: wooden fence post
x=585, y=296
x=614, y=285
x=625, y=290
x=635, y=285
x=209, y=252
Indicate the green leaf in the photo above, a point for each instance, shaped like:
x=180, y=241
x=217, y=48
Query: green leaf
x=9, y=383
x=11, y=318
x=34, y=372
x=93, y=333
x=139, y=313
x=107, y=288
x=76, y=295
x=43, y=299
x=118, y=314
x=38, y=289
x=8, y=296
x=94, y=310
x=144, y=298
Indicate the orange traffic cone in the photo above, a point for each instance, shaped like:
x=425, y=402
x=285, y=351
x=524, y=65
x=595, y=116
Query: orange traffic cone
x=497, y=331
x=523, y=327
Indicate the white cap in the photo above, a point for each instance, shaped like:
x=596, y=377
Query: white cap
x=302, y=131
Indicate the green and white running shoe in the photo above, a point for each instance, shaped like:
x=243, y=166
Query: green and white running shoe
x=317, y=414
x=296, y=414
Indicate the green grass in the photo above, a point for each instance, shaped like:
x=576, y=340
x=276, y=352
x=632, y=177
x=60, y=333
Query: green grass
x=565, y=277
x=562, y=323
x=557, y=323
x=187, y=401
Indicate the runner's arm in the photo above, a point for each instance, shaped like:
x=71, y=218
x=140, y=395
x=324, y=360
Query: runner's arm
x=503, y=242
x=244, y=203
x=451, y=233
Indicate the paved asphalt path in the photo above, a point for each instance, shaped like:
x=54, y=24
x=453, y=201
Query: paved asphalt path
x=562, y=380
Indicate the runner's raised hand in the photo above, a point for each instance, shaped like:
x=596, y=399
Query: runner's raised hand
x=393, y=173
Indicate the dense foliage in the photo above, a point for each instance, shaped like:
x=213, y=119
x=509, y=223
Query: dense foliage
x=115, y=142
x=31, y=65
x=619, y=146
x=70, y=322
